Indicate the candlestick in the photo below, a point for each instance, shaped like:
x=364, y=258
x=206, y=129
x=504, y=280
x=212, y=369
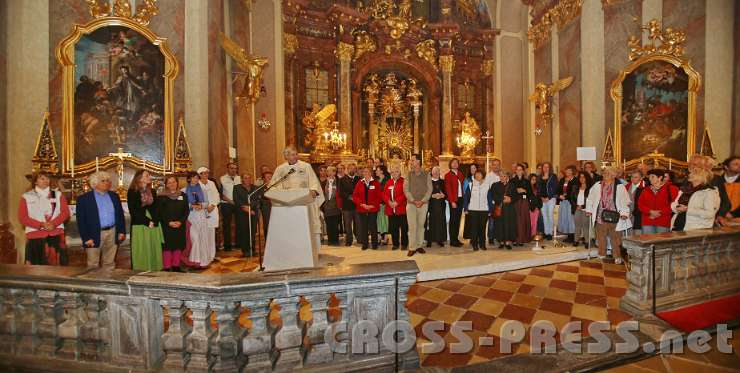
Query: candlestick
x=73, y=169
x=97, y=165
x=670, y=164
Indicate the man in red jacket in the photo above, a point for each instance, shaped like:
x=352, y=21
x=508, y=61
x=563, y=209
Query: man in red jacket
x=395, y=208
x=654, y=203
x=367, y=200
x=453, y=186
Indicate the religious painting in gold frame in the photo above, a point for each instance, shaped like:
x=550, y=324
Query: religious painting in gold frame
x=117, y=81
x=655, y=108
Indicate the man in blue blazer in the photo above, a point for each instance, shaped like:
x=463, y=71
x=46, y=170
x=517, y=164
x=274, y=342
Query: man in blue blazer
x=101, y=222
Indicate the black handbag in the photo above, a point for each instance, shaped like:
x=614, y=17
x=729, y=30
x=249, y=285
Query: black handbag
x=611, y=216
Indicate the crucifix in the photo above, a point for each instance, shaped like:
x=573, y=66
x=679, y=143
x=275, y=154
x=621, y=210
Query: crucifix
x=121, y=156
x=488, y=138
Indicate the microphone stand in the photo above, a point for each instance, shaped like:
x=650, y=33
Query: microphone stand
x=251, y=209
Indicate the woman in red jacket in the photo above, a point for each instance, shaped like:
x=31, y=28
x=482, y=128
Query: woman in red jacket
x=43, y=211
x=395, y=209
x=367, y=200
x=654, y=203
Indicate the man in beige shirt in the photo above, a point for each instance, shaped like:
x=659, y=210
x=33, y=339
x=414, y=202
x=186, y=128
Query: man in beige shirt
x=418, y=190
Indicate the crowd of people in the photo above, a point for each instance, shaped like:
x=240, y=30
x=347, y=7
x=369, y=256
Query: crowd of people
x=375, y=205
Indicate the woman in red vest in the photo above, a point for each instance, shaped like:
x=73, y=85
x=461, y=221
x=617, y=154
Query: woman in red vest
x=395, y=209
x=367, y=200
x=655, y=203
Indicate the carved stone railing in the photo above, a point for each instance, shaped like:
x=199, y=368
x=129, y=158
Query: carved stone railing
x=65, y=318
x=690, y=268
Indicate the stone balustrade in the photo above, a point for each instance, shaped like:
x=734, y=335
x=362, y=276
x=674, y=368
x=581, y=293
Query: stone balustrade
x=66, y=318
x=690, y=268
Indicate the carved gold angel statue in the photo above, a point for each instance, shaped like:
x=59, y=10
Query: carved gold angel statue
x=251, y=66
x=470, y=134
x=541, y=97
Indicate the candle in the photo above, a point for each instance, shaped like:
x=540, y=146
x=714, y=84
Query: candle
x=670, y=164
x=97, y=164
x=73, y=169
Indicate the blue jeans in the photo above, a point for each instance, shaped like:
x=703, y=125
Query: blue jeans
x=651, y=229
x=490, y=230
x=548, y=211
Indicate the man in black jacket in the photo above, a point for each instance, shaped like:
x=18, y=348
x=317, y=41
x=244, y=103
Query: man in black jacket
x=349, y=215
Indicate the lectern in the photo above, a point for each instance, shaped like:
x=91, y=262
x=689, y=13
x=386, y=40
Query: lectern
x=290, y=244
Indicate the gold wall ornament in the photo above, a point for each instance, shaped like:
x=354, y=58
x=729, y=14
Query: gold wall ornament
x=671, y=41
x=364, y=43
x=65, y=53
x=344, y=51
x=251, y=66
x=561, y=14
x=183, y=158
x=694, y=84
x=487, y=67
x=707, y=149
x=426, y=50
x=315, y=123
x=372, y=88
x=470, y=134
x=542, y=99
x=45, y=156
x=398, y=26
x=608, y=156
x=145, y=10
x=447, y=63
x=290, y=43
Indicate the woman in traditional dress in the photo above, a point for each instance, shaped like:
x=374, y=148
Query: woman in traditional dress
x=505, y=223
x=566, y=187
x=436, y=230
x=382, y=176
x=535, y=204
x=43, y=211
x=146, y=234
x=173, y=209
x=467, y=229
x=520, y=195
x=203, y=249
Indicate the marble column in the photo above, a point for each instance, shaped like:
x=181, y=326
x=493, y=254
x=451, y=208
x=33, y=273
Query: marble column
x=27, y=38
x=555, y=71
x=487, y=70
x=344, y=54
x=593, y=78
x=447, y=63
x=196, y=79
x=719, y=67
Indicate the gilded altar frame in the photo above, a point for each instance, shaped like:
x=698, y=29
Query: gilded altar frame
x=694, y=85
x=65, y=53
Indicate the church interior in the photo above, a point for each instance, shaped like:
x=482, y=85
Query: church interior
x=151, y=99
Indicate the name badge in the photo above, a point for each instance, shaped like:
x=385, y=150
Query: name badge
x=179, y=198
x=372, y=186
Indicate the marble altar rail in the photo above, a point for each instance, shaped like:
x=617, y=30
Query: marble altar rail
x=690, y=268
x=65, y=318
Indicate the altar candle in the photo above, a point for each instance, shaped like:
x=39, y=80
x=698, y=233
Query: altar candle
x=97, y=165
x=73, y=169
x=670, y=164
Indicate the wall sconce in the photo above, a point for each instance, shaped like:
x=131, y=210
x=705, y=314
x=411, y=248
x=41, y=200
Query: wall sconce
x=263, y=122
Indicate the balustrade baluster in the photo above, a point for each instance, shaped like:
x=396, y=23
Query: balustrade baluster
x=47, y=330
x=199, y=341
x=316, y=350
x=28, y=315
x=226, y=347
x=8, y=321
x=173, y=341
x=90, y=329
x=104, y=330
x=288, y=338
x=258, y=342
x=408, y=359
x=343, y=299
x=69, y=329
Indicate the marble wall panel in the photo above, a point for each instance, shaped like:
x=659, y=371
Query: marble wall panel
x=569, y=62
x=217, y=106
x=619, y=24
x=512, y=100
x=735, y=144
x=3, y=112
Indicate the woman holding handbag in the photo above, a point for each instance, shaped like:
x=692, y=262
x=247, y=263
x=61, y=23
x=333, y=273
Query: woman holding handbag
x=608, y=207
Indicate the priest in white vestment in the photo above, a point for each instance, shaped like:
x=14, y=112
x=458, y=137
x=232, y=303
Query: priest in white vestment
x=303, y=177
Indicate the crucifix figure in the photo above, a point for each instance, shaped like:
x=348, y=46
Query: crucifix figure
x=121, y=157
x=487, y=136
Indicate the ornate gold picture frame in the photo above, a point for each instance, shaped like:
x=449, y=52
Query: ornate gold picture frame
x=132, y=120
x=655, y=105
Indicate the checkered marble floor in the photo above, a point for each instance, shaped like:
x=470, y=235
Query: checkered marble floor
x=584, y=291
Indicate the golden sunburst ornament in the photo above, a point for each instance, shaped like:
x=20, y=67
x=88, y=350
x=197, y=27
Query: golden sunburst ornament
x=398, y=137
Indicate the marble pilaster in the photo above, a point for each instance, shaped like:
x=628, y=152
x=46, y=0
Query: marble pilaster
x=719, y=66
x=447, y=64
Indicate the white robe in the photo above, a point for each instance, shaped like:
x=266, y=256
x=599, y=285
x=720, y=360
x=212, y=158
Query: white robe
x=304, y=177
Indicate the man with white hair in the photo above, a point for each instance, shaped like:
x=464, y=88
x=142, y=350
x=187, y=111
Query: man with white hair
x=301, y=175
x=213, y=197
x=100, y=221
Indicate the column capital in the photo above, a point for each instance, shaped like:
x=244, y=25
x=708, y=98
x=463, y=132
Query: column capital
x=487, y=67
x=447, y=63
x=290, y=43
x=344, y=51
